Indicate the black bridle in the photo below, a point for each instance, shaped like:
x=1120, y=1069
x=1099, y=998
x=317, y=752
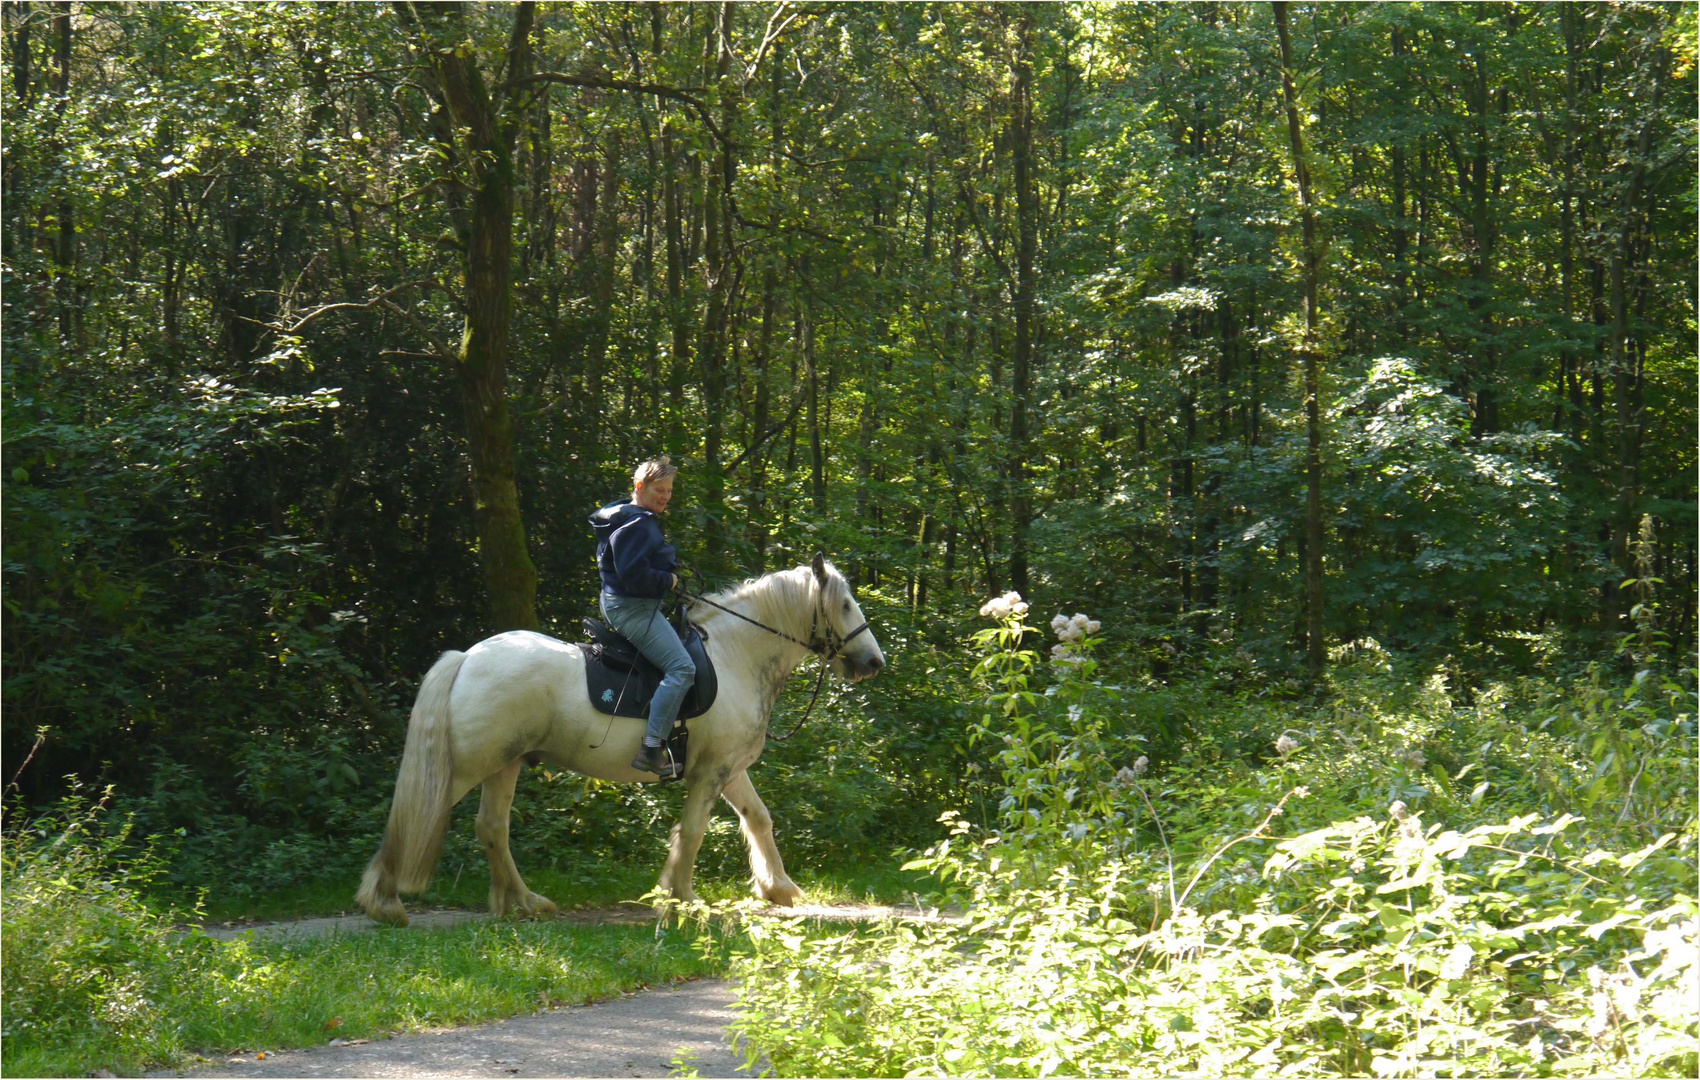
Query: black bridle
x=825, y=644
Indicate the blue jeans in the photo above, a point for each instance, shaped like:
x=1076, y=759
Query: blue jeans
x=640, y=620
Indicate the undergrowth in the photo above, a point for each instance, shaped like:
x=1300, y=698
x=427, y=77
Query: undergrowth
x=96, y=977
x=1395, y=884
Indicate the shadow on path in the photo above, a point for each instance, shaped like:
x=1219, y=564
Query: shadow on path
x=635, y=1035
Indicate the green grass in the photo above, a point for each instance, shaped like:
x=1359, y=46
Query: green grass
x=99, y=975
x=595, y=887
x=601, y=886
x=251, y=995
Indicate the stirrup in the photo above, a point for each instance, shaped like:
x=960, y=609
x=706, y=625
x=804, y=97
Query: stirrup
x=658, y=760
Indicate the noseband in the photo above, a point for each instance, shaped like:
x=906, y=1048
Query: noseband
x=828, y=646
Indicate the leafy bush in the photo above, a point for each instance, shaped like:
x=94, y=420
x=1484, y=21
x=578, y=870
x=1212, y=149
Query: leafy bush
x=1435, y=907
x=86, y=959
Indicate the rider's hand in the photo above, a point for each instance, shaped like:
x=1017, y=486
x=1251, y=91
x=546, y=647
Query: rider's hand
x=675, y=581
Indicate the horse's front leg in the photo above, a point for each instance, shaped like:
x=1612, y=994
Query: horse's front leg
x=767, y=869
x=507, y=892
x=687, y=835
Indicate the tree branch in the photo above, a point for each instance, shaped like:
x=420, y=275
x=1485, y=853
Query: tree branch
x=603, y=82
x=790, y=415
x=973, y=206
x=382, y=300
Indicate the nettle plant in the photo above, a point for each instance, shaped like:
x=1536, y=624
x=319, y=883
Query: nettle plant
x=1376, y=944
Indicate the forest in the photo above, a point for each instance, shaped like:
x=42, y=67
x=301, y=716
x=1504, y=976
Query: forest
x=1338, y=360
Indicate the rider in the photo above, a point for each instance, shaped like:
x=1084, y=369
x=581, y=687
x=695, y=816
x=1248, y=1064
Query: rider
x=637, y=565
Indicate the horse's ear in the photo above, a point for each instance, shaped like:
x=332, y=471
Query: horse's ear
x=820, y=567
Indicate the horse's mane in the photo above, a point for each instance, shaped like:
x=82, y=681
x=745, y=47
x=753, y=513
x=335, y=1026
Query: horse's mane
x=785, y=599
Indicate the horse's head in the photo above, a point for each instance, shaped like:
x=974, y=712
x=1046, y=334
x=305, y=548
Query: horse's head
x=843, y=631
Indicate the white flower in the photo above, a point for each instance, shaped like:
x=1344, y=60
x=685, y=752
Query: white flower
x=1457, y=962
x=1126, y=776
x=1059, y=623
x=1092, y=626
x=1015, y=602
x=1141, y=765
x=1397, y=810
x=1285, y=746
x=995, y=608
x=1079, y=620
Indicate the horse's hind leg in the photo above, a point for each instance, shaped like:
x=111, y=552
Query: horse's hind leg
x=508, y=893
x=767, y=869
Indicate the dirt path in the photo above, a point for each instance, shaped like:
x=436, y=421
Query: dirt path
x=639, y=1034
x=636, y=1035
x=629, y=914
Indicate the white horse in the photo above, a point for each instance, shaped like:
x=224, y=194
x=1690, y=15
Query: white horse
x=521, y=696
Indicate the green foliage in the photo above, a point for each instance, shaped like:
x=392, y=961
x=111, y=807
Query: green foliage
x=96, y=978
x=87, y=960
x=1394, y=885
x=235, y=490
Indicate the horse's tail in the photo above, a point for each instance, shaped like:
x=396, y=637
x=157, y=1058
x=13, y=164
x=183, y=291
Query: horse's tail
x=419, y=814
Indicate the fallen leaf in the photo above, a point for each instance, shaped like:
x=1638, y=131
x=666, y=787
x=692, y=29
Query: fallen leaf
x=339, y=1042
x=261, y=1056
x=333, y=1023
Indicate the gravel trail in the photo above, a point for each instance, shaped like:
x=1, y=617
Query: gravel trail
x=641, y=1034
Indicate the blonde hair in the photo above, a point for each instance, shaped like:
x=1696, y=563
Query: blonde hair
x=654, y=471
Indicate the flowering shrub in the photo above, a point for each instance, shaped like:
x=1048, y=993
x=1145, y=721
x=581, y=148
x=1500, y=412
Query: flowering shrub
x=1009, y=605
x=1353, y=914
x=1071, y=638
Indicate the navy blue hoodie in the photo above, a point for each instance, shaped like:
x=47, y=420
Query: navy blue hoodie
x=633, y=556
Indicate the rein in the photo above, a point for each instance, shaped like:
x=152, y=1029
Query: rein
x=828, y=647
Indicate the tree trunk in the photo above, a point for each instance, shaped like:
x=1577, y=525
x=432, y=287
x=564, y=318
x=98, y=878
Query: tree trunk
x=66, y=249
x=487, y=140
x=1027, y=225
x=679, y=360
x=1315, y=653
x=1634, y=217
x=817, y=459
x=607, y=248
x=716, y=327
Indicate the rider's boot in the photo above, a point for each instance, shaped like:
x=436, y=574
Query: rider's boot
x=654, y=759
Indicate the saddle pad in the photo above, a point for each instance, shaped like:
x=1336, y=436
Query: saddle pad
x=620, y=688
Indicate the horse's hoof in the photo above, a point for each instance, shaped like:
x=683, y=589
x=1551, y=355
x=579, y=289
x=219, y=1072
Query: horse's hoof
x=390, y=913
x=782, y=893
x=530, y=906
x=540, y=907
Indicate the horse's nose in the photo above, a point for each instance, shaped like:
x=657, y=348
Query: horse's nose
x=875, y=663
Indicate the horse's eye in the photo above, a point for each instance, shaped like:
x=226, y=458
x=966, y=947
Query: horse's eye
x=846, y=607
